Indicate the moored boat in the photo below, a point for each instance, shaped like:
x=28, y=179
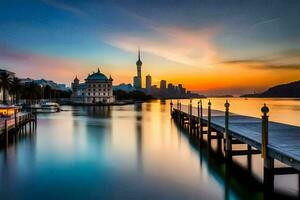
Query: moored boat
x=47, y=107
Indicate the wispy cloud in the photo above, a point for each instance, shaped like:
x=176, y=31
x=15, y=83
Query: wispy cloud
x=265, y=22
x=193, y=47
x=263, y=64
x=189, y=47
x=244, y=61
x=288, y=59
x=28, y=64
x=282, y=66
x=66, y=7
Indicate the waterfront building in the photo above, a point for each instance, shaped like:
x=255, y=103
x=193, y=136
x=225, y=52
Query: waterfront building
x=24, y=81
x=181, y=89
x=12, y=74
x=163, y=85
x=78, y=91
x=96, y=89
x=148, y=83
x=171, y=89
x=154, y=91
x=137, y=80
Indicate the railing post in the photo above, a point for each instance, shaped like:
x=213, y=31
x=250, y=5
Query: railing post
x=190, y=116
x=180, y=118
x=198, y=109
x=264, y=131
x=209, y=121
x=268, y=162
x=200, y=121
x=171, y=108
x=198, y=117
x=180, y=105
x=228, y=145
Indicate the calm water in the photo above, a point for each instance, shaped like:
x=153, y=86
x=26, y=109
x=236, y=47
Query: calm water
x=134, y=152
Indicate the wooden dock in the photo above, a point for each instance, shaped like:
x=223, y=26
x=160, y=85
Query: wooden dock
x=16, y=124
x=274, y=141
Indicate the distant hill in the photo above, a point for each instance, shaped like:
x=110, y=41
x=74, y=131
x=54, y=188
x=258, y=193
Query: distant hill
x=124, y=87
x=284, y=90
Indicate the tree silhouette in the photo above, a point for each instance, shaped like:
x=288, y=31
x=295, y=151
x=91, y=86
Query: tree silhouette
x=15, y=89
x=5, y=83
x=32, y=91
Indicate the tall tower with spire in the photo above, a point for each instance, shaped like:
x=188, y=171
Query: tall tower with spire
x=137, y=80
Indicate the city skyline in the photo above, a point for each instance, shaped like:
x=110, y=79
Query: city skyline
x=235, y=48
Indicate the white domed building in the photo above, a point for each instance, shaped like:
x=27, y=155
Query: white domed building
x=97, y=89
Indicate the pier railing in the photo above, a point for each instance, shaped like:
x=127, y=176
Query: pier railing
x=274, y=141
x=17, y=124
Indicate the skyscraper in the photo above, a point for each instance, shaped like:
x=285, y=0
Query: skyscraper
x=180, y=88
x=137, y=80
x=163, y=85
x=171, y=89
x=148, y=82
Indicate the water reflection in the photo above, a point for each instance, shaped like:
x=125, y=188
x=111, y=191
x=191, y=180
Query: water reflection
x=162, y=105
x=14, y=155
x=127, y=152
x=98, y=111
x=237, y=180
x=139, y=135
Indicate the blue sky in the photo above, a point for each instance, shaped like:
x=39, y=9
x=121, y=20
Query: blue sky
x=204, y=44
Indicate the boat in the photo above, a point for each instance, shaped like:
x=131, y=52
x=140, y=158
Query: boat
x=46, y=107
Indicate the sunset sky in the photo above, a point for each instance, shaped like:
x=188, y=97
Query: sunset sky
x=211, y=46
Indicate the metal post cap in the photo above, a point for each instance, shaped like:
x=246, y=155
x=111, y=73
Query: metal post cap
x=227, y=104
x=265, y=109
x=209, y=103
